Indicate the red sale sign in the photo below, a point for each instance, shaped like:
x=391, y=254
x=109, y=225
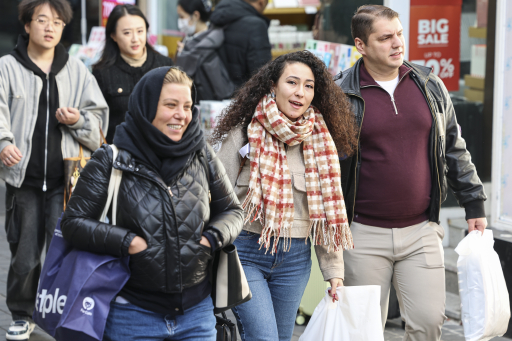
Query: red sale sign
x=435, y=38
x=107, y=6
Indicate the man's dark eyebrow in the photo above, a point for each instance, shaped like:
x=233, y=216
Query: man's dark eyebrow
x=44, y=15
x=390, y=35
x=297, y=78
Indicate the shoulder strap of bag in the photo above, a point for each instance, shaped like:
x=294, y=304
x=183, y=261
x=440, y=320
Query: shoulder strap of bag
x=113, y=188
x=242, y=164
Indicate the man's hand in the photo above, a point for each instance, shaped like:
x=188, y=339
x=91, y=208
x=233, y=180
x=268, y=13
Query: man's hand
x=10, y=155
x=68, y=115
x=335, y=282
x=137, y=245
x=478, y=223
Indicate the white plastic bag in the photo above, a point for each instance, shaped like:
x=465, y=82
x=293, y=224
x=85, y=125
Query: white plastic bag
x=483, y=291
x=355, y=317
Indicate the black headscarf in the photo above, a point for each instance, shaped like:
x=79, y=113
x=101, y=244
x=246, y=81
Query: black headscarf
x=144, y=141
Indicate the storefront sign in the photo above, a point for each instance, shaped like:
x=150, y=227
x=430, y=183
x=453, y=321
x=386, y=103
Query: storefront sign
x=435, y=38
x=107, y=6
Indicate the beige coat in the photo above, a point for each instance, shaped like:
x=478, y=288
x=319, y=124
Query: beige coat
x=331, y=264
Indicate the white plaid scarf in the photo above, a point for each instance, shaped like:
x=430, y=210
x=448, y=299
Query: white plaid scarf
x=270, y=195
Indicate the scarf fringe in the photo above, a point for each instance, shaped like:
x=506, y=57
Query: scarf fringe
x=333, y=236
x=280, y=233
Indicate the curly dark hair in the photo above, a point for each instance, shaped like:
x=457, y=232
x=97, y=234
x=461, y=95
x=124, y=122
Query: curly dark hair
x=329, y=99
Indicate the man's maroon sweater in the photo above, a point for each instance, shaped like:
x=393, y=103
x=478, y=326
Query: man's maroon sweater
x=394, y=181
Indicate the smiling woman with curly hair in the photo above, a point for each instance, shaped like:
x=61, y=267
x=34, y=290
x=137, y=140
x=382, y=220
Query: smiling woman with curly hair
x=292, y=122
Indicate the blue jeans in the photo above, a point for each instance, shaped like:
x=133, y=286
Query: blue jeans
x=129, y=322
x=277, y=283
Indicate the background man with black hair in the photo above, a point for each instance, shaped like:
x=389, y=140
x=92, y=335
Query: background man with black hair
x=49, y=105
x=409, y=150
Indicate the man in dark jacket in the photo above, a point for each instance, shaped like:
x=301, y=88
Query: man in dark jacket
x=246, y=45
x=409, y=148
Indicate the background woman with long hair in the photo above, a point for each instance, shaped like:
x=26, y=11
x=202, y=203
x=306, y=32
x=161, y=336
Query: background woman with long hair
x=293, y=123
x=127, y=57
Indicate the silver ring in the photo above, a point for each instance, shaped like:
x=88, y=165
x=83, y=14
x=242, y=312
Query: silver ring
x=9, y=156
x=60, y=114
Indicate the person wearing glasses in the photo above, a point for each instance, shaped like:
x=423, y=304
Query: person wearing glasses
x=50, y=104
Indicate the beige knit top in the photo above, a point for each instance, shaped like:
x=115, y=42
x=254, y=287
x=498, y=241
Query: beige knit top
x=331, y=264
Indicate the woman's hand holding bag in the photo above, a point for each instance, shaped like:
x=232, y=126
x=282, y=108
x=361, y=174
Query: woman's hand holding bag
x=354, y=316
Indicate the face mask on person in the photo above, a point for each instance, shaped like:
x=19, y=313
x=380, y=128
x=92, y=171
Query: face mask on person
x=185, y=27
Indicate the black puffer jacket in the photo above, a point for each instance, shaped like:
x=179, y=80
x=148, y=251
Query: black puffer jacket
x=117, y=82
x=246, y=45
x=450, y=161
x=170, y=219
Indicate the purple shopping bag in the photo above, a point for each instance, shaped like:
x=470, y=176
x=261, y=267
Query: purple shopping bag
x=75, y=290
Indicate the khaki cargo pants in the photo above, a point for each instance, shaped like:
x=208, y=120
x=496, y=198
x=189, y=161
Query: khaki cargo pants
x=413, y=259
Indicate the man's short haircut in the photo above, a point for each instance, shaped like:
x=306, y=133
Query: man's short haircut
x=27, y=7
x=362, y=21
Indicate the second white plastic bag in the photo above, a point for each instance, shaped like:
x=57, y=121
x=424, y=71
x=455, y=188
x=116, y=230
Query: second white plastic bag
x=483, y=291
x=354, y=317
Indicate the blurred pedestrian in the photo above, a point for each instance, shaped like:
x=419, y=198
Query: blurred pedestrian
x=50, y=104
x=127, y=57
x=193, y=16
x=289, y=122
x=409, y=150
x=246, y=45
x=176, y=208
x=199, y=53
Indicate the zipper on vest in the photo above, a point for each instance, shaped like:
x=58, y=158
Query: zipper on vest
x=46, y=135
x=357, y=161
x=435, y=146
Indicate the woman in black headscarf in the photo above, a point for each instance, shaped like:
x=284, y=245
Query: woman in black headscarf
x=165, y=218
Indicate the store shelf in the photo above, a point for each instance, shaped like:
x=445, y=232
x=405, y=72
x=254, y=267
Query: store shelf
x=277, y=53
x=478, y=32
x=474, y=95
x=474, y=82
x=284, y=11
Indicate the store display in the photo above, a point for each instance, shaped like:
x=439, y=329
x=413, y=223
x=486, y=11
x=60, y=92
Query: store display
x=337, y=57
x=285, y=38
x=209, y=112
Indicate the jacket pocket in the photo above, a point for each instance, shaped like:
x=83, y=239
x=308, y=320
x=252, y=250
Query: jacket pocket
x=432, y=240
x=12, y=221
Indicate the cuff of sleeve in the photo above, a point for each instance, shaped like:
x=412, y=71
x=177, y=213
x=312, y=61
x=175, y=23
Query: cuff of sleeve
x=474, y=209
x=215, y=244
x=126, y=243
x=79, y=124
x=4, y=144
x=333, y=273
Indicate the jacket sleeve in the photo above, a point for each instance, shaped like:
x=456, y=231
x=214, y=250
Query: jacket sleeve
x=226, y=220
x=80, y=224
x=258, y=52
x=6, y=136
x=331, y=263
x=93, y=113
x=461, y=176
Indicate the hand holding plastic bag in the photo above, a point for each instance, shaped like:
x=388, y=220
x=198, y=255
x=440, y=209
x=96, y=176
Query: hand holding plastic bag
x=483, y=291
x=354, y=317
